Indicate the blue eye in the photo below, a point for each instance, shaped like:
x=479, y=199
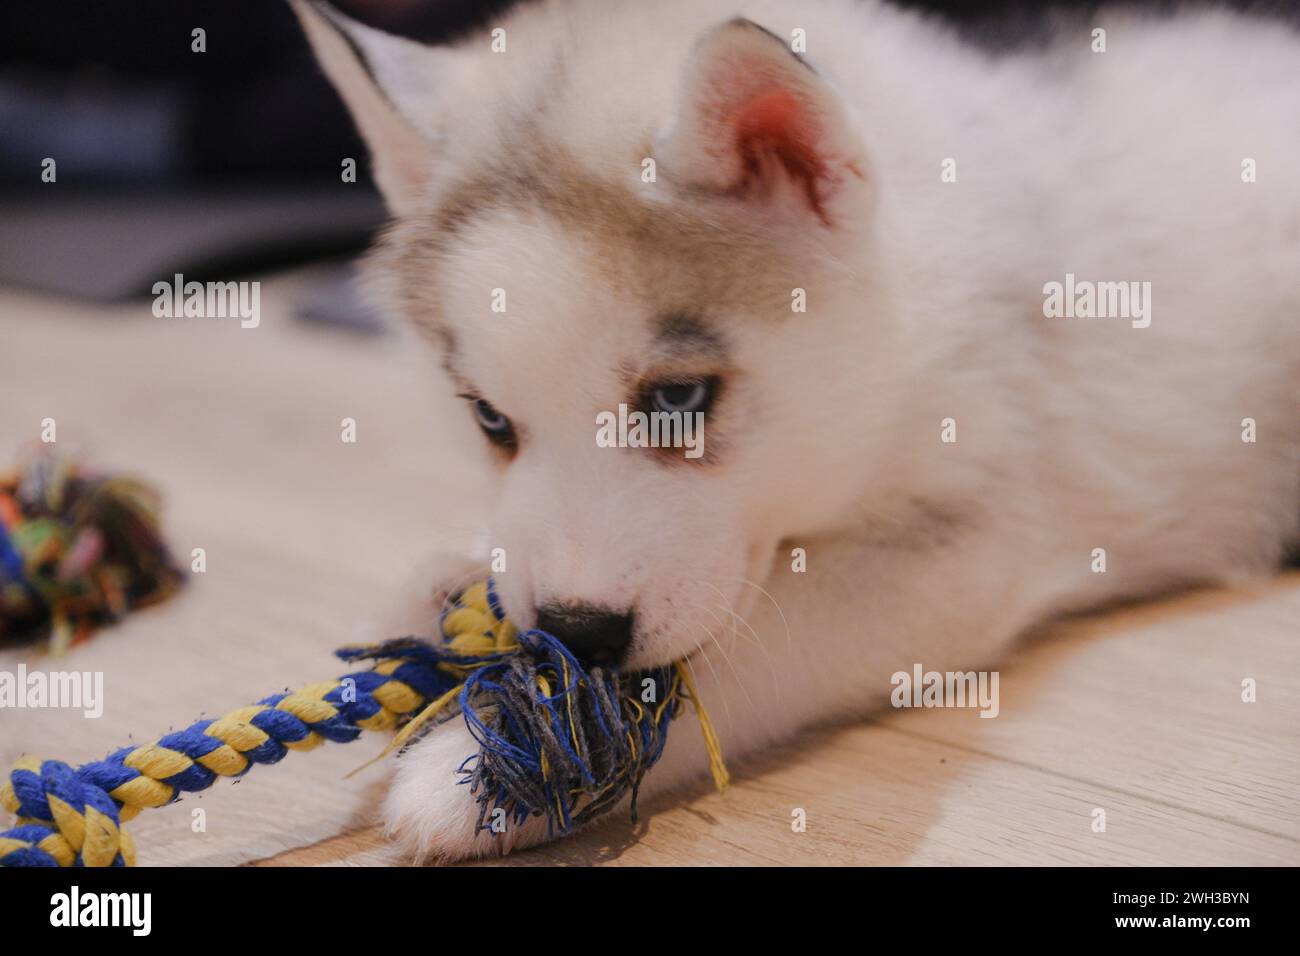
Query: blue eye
x=684, y=397
x=496, y=426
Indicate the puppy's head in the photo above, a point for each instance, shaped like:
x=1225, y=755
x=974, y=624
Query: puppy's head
x=601, y=223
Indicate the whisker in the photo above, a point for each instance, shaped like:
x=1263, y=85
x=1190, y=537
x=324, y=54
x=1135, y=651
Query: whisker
x=789, y=640
x=713, y=614
x=777, y=687
x=732, y=667
x=730, y=609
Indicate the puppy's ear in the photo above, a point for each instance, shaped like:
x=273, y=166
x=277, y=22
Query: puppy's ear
x=390, y=85
x=756, y=121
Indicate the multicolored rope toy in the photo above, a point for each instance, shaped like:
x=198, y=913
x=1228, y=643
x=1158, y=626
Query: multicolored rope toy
x=555, y=740
x=77, y=551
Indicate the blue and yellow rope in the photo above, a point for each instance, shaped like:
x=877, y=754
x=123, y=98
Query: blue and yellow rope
x=74, y=817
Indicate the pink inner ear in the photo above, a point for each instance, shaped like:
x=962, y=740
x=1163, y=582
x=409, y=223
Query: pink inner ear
x=776, y=124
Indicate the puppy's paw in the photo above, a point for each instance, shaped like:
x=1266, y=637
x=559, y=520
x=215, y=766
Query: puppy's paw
x=419, y=602
x=433, y=816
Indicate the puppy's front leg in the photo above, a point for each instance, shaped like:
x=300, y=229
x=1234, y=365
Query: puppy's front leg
x=427, y=810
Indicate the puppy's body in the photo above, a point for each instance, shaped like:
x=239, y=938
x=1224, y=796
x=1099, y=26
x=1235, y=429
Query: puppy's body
x=523, y=170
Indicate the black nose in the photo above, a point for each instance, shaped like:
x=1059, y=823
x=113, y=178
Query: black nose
x=595, y=635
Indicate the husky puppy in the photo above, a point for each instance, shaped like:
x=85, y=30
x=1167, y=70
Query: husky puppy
x=977, y=342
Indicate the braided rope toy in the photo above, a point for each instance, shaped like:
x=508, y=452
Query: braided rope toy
x=555, y=740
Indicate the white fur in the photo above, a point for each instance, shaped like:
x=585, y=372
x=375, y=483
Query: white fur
x=925, y=302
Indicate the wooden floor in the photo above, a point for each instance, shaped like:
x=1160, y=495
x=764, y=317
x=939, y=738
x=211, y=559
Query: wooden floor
x=1138, y=713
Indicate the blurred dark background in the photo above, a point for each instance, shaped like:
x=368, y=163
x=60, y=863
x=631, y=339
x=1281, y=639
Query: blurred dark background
x=116, y=88
x=228, y=161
